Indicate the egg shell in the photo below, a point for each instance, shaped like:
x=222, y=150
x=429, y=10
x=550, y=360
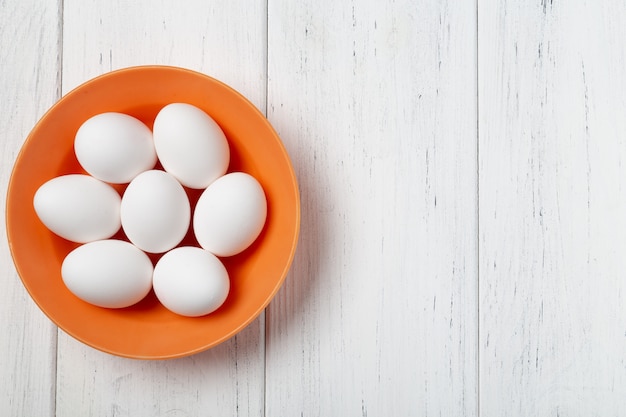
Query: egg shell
x=78, y=207
x=114, y=147
x=190, y=281
x=155, y=211
x=230, y=214
x=108, y=273
x=190, y=145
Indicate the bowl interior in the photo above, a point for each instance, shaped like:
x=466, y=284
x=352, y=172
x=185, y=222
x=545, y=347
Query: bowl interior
x=147, y=330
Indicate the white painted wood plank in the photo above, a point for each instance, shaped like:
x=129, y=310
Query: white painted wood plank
x=552, y=82
x=224, y=40
x=376, y=102
x=29, y=53
x=224, y=380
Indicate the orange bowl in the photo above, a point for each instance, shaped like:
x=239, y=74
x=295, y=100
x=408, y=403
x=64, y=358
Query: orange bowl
x=147, y=330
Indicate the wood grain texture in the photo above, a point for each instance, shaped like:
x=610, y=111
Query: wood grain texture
x=376, y=103
x=552, y=204
x=224, y=40
x=225, y=380
x=29, y=59
x=430, y=146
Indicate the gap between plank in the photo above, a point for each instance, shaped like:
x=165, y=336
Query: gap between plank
x=59, y=92
x=478, y=410
x=265, y=321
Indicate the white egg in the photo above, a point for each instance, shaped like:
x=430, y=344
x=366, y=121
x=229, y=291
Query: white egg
x=155, y=211
x=190, y=281
x=230, y=214
x=78, y=207
x=108, y=273
x=115, y=147
x=190, y=145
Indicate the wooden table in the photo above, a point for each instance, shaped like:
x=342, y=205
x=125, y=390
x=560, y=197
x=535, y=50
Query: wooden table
x=462, y=168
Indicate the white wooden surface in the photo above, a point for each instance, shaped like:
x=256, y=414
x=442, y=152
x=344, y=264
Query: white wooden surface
x=100, y=36
x=552, y=208
x=377, y=104
x=460, y=167
x=29, y=68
